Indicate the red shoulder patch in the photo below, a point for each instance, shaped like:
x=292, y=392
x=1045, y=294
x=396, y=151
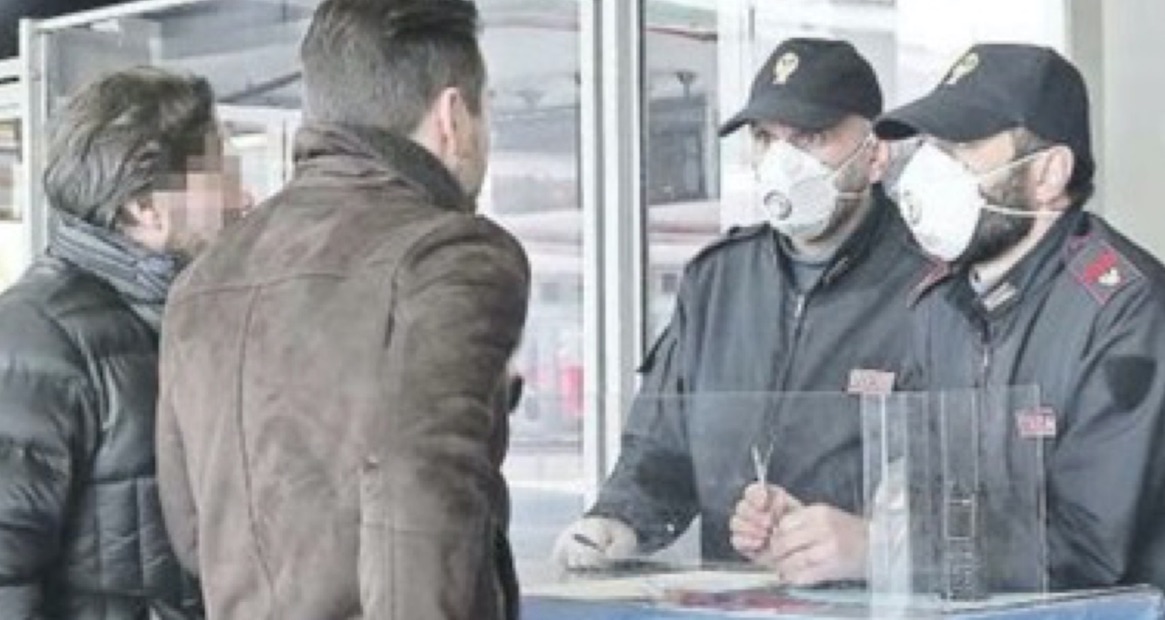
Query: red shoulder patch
x=1102, y=271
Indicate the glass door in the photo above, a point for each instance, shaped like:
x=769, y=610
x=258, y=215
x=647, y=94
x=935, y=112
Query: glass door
x=13, y=245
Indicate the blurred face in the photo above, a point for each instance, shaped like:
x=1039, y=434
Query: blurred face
x=194, y=208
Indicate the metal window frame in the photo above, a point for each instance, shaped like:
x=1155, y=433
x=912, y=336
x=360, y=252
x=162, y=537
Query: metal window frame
x=33, y=138
x=611, y=58
x=129, y=9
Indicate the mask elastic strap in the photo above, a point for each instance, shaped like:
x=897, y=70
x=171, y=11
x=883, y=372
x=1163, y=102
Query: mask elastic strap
x=1009, y=165
x=866, y=142
x=1037, y=214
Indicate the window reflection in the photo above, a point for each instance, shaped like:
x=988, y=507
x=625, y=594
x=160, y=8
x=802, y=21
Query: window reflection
x=682, y=185
x=531, y=48
x=11, y=234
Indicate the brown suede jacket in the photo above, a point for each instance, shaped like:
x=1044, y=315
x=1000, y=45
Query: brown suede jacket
x=331, y=420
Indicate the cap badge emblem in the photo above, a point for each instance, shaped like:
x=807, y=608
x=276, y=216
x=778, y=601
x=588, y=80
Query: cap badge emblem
x=784, y=67
x=966, y=65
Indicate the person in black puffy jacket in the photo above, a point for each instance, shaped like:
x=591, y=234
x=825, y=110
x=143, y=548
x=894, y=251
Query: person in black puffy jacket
x=135, y=177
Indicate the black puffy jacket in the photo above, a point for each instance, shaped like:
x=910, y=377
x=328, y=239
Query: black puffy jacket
x=81, y=533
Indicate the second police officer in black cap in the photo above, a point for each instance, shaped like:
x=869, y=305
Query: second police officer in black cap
x=813, y=300
x=1035, y=291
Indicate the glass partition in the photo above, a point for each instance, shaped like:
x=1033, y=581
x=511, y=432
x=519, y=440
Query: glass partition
x=956, y=494
x=685, y=466
x=947, y=490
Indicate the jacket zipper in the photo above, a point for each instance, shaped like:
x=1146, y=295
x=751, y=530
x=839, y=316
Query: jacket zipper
x=802, y=300
x=795, y=340
x=799, y=312
x=985, y=355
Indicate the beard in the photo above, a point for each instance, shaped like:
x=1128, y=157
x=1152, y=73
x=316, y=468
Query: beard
x=853, y=182
x=997, y=233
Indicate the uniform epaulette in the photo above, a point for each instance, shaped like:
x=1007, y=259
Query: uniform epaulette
x=735, y=234
x=1102, y=269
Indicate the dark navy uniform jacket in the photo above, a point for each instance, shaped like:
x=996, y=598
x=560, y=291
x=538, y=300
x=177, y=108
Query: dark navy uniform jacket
x=741, y=333
x=1082, y=318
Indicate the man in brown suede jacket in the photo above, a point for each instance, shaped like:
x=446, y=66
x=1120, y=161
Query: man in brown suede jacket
x=331, y=422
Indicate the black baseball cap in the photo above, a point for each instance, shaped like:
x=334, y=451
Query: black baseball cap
x=811, y=84
x=1001, y=86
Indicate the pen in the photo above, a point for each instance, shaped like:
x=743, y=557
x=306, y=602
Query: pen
x=761, y=463
x=583, y=540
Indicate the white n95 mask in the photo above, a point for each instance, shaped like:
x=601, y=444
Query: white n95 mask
x=798, y=192
x=941, y=201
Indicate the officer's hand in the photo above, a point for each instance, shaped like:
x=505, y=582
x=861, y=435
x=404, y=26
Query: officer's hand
x=819, y=543
x=757, y=513
x=593, y=542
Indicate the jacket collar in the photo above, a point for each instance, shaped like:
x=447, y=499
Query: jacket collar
x=141, y=276
x=1042, y=264
x=350, y=151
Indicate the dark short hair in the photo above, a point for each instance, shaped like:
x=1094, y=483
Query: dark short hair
x=124, y=135
x=382, y=63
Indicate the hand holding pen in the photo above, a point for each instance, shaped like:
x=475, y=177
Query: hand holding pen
x=803, y=545
x=760, y=508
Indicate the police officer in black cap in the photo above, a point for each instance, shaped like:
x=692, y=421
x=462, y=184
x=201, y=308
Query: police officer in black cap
x=813, y=300
x=1035, y=291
